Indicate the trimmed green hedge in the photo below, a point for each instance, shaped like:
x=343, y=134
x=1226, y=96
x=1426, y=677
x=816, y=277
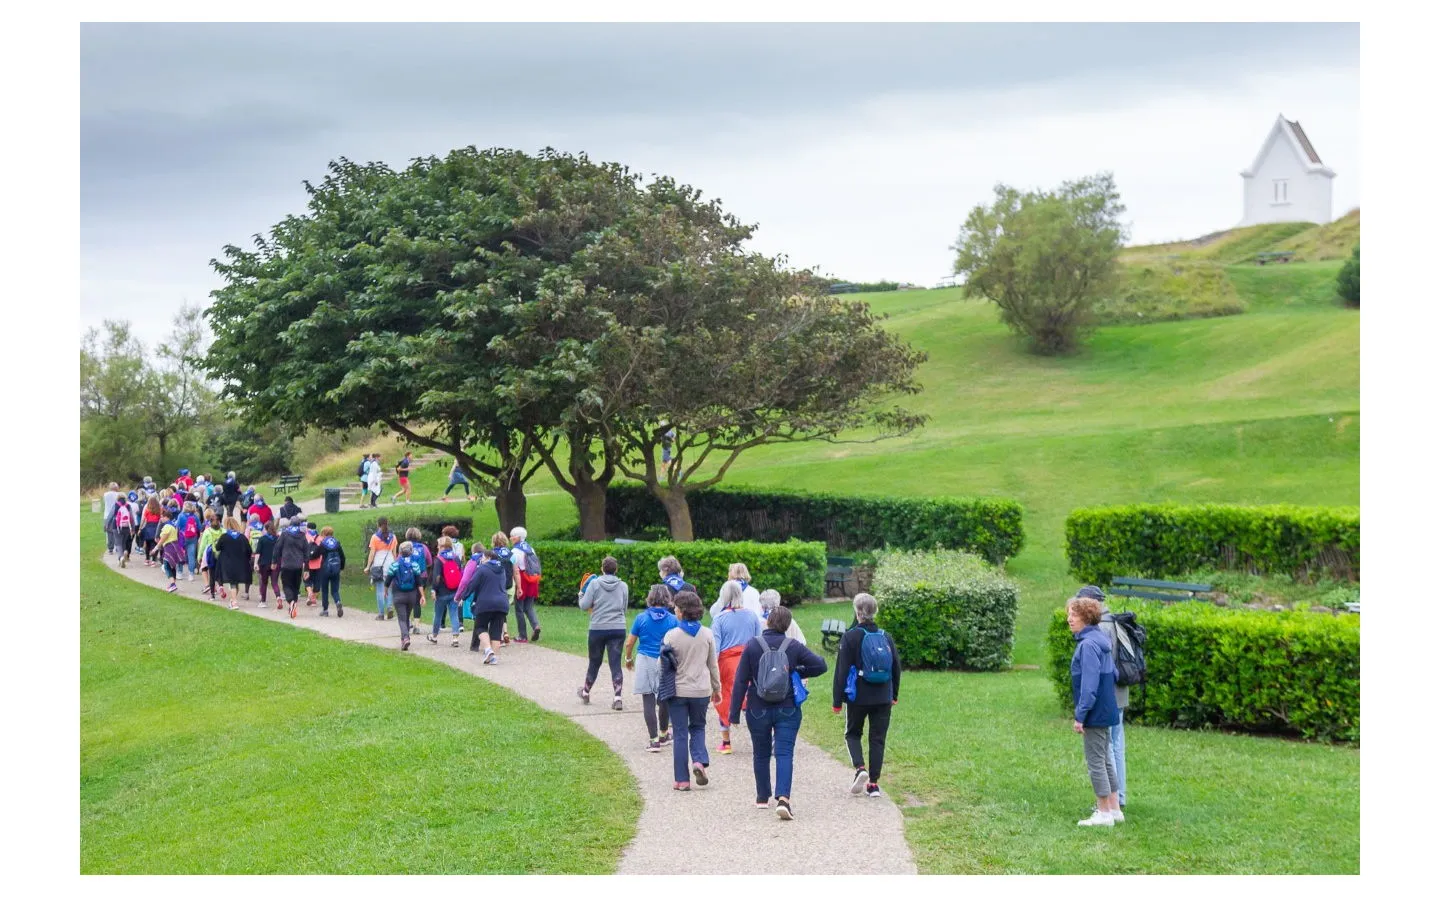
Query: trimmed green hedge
x=946, y=610
x=991, y=528
x=430, y=526
x=1163, y=541
x=1292, y=672
x=796, y=569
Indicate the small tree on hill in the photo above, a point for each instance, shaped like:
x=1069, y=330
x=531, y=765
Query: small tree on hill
x=1347, y=283
x=1044, y=257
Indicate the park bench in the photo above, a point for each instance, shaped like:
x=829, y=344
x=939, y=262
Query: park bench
x=838, y=570
x=1283, y=256
x=1156, y=590
x=287, y=484
x=831, y=631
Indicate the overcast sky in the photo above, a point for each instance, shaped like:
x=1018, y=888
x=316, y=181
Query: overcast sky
x=858, y=149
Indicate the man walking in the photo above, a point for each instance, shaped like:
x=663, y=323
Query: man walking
x=112, y=497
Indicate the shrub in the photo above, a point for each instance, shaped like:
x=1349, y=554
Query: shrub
x=946, y=610
x=430, y=527
x=1347, y=283
x=991, y=528
x=794, y=568
x=1165, y=290
x=1167, y=541
x=1294, y=672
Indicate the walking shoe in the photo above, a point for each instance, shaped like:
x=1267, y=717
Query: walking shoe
x=619, y=703
x=172, y=588
x=783, y=810
x=389, y=612
x=404, y=645
x=432, y=639
x=279, y=604
x=1118, y=815
x=536, y=636
x=261, y=605
x=682, y=785
x=762, y=804
x=517, y=640
x=380, y=617
x=339, y=610
x=1097, y=819
x=124, y=560
x=666, y=738
x=294, y=610
x=324, y=613
x=861, y=779
x=234, y=605
x=492, y=659
x=224, y=594
x=454, y=642
x=653, y=747
x=699, y=772
x=309, y=602
x=583, y=694
x=724, y=748
x=872, y=790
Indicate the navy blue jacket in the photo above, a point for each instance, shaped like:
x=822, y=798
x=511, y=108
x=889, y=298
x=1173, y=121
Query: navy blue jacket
x=802, y=660
x=1092, y=680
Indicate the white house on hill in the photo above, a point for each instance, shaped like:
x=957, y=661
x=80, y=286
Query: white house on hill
x=1287, y=182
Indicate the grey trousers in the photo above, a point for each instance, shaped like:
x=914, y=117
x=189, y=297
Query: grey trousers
x=1097, y=760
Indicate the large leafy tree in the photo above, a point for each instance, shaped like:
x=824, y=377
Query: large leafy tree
x=113, y=377
x=1044, y=257
x=177, y=398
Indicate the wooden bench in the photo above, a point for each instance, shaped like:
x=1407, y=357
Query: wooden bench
x=838, y=570
x=1283, y=256
x=1152, y=590
x=831, y=631
x=286, y=484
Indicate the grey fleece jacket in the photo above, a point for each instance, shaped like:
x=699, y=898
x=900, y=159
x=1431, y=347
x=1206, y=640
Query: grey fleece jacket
x=608, y=597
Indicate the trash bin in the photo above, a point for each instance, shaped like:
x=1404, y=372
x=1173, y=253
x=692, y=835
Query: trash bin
x=332, y=500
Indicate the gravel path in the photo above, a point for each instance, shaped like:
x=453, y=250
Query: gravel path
x=720, y=819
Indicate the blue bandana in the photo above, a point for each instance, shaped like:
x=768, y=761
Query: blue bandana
x=675, y=582
x=743, y=584
x=691, y=628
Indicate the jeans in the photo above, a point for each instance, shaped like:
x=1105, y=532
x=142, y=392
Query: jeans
x=775, y=727
x=611, y=640
x=448, y=605
x=1117, y=756
x=111, y=539
x=687, y=714
x=329, y=585
x=525, y=609
x=382, y=597
x=192, y=548
x=879, y=716
x=456, y=482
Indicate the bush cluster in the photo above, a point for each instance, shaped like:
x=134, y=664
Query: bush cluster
x=795, y=568
x=990, y=528
x=1347, y=283
x=946, y=610
x=1163, y=541
x=1292, y=672
x=430, y=527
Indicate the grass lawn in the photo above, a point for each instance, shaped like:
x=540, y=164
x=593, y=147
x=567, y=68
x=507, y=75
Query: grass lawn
x=216, y=743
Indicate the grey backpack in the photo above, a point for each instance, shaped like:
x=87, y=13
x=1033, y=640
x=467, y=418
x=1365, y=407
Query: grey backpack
x=772, y=673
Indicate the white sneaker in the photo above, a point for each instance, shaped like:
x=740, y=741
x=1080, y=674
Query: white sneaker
x=1097, y=818
x=1118, y=815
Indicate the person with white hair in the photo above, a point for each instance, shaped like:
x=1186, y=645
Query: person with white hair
x=867, y=682
x=526, y=564
x=769, y=602
x=739, y=574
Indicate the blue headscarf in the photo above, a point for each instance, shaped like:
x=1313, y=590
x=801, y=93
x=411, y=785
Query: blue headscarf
x=690, y=626
x=676, y=583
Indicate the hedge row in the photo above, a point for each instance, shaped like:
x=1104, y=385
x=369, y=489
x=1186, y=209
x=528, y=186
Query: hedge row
x=1294, y=672
x=1165, y=541
x=796, y=569
x=946, y=610
x=990, y=528
x=430, y=527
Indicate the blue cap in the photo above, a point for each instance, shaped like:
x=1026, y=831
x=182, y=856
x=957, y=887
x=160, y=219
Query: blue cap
x=1091, y=591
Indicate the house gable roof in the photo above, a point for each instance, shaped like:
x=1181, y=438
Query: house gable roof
x=1292, y=133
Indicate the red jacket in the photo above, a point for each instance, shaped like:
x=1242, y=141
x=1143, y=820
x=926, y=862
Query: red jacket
x=264, y=512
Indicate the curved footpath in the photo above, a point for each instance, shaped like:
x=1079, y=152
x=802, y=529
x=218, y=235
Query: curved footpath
x=834, y=832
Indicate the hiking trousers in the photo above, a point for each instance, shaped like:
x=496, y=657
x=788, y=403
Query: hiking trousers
x=607, y=640
x=290, y=581
x=1097, y=760
x=329, y=587
x=525, y=609
x=687, y=714
x=879, y=717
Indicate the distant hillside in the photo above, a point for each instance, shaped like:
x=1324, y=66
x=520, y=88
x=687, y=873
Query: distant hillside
x=1311, y=243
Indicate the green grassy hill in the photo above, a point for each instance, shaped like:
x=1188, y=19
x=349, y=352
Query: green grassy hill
x=1311, y=243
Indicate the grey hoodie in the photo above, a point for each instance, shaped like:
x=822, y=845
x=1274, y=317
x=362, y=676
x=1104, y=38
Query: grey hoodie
x=608, y=596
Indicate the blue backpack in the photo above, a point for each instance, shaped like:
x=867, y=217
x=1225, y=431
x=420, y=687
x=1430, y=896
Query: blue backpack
x=875, y=657
x=406, y=578
x=331, y=548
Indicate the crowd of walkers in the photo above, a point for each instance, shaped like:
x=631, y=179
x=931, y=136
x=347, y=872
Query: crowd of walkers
x=753, y=660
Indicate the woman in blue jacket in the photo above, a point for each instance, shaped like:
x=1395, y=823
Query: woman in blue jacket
x=1092, y=686
x=773, y=723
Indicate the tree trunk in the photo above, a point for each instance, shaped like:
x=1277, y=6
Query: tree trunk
x=510, y=502
x=590, y=499
x=164, y=440
x=677, y=507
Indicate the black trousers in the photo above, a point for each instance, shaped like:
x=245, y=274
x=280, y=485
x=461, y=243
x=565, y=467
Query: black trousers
x=601, y=642
x=290, y=583
x=879, y=716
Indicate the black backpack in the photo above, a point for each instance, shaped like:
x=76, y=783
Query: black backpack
x=1129, y=650
x=360, y=469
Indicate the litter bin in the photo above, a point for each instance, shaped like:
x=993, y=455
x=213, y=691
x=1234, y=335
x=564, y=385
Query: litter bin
x=332, y=500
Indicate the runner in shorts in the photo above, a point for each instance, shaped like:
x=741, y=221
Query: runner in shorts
x=402, y=470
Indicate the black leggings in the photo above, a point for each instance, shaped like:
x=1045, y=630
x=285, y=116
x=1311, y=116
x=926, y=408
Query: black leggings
x=879, y=716
x=648, y=701
x=290, y=582
x=611, y=640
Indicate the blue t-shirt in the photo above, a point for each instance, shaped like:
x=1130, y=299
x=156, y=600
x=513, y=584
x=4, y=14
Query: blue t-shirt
x=650, y=627
x=734, y=627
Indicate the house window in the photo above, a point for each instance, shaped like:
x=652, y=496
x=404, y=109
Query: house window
x=1282, y=190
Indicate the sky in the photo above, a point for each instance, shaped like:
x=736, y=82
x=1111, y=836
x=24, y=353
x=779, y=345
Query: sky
x=858, y=150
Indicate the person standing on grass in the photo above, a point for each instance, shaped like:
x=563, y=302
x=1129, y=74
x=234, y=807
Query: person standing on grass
x=867, y=680
x=1092, y=686
x=402, y=470
x=457, y=477
x=383, y=544
x=111, y=500
x=734, y=628
x=445, y=575
x=526, y=564
x=374, y=480
x=697, y=685
x=266, y=562
x=765, y=684
x=122, y=519
x=643, y=646
x=1116, y=634
x=404, y=578
x=606, y=598
x=332, y=563
x=232, y=549
x=484, y=585
x=292, y=551
x=171, y=553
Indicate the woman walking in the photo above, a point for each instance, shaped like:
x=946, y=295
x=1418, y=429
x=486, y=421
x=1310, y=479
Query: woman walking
x=292, y=553
x=526, y=564
x=606, y=598
x=209, y=563
x=267, y=564
x=696, y=674
x=171, y=553
x=867, y=680
x=373, y=477
x=124, y=523
x=484, y=585
x=765, y=684
x=189, y=527
x=405, y=577
x=332, y=563
x=457, y=478
x=734, y=627
x=150, y=528
x=739, y=575
x=769, y=602
x=642, y=656
x=1092, y=687
x=445, y=575
x=232, y=549
x=383, y=545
